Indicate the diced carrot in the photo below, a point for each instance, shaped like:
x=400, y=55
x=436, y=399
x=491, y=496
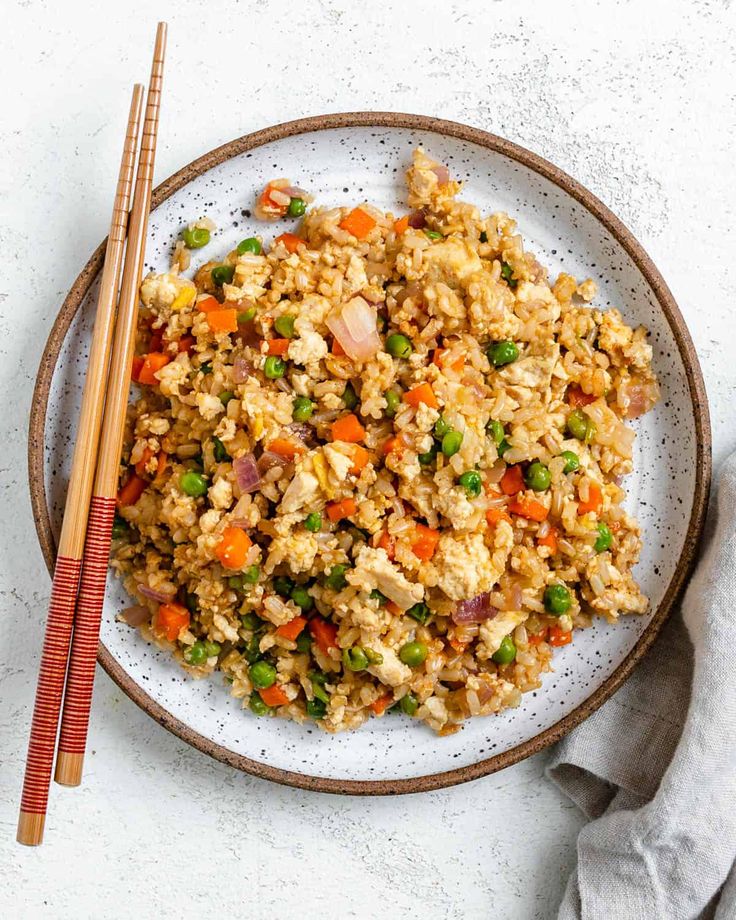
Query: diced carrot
x=387, y=543
x=421, y=394
x=401, y=225
x=207, y=304
x=266, y=201
x=336, y=511
x=512, y=480
x=595, y=499
x=293, y=629
x=536, y=638
x=152, y=363
x=530, y=509
x=360, y=459
x=393, y=444
x=439, y=360
x=324, y=633
x=577, y=399
x=140, y=467
x=136, y=369
x=393, y=608
x=348, y=428
x=426, y=543
x=131, y=491
x=549, y=540
x=169, y=620
x=358, y=223
x=456, y=644
x=223, y=320
x=277, y=346
x=233, y=547
x=559, y=636
x=163, y=462
x=290, y=240
x=437, y=356
x=379, y=706
x=274, y=696
x=614, y=526
x=337, y=348
x=494, y=515
x=285, y=448
x=186, y=343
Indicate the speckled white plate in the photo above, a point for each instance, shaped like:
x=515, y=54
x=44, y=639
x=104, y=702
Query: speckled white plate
x=345, y=159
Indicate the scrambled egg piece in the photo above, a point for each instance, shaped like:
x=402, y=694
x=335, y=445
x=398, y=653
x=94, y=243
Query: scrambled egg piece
x=493, y=631
x=464, y=564
x=374, y=570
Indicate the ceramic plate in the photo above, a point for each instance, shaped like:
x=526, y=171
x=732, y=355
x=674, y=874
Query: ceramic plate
x=346, y=159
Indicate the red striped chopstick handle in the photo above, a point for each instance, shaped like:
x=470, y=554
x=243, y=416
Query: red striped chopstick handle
x=81, y=675
x=54, y=656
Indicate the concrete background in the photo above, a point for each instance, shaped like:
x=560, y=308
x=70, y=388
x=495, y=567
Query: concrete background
x=635, y=99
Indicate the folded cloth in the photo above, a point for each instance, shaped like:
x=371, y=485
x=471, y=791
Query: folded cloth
x=655, y=767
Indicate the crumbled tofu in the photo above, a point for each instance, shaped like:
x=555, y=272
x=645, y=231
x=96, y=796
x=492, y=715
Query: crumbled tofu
x=221, y=494
x=373, y=569
x=209, y=406
x=338, y=460
x=464, y=564
x=307, y=347
x=301, y=491
x=173, y=375
x=209, y=520
x=493, y=631
x=297, y=549
x=391, y=671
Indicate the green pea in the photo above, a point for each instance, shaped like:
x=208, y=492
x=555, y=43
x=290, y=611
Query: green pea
x=120, y=527
x=212, y=648
x=507, y=273
x=313, y=522
x=471, y=481
x=581, y=426
x=483, y=236
x=336, y=579
x=393, y=400
x=191, y=603
x=354, y=659
x=195, y=237
x=409, y=704
x=226, y=396
x=377, y=595
x=206, y=368
x=302, y=598
x=572, y=461
x=441, y=427
x=452, y=442
x=350, y=397
x=257, y=706
x=274, y=367
x=537, y=477
x=251, y=244
x=235, y=582
x=501, y=353
x=193, y=484
x=556, y=600
x=251, y=621
x=247, y=316
x=253, y=649
x=284, y=325
x=297, y=207
x=319, y=680
x=283, y=585
x=251, y=575
x=506, y=652
x=433, y=234
x=496, y=431
x=302, y=409
x=605, y=538
x=419, y=612
x=398, y=345
x=428, y=458
x=262, y=675
x=316, y=708
x=413, y=653
x=218, y=449
x=223, y=274
x=304, y=643
x=373, y=657
x=196, y=654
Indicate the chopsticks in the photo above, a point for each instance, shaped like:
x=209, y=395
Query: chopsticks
x=81, y=674
x=80, y=523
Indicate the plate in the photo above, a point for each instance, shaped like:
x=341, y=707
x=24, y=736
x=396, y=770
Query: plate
x=346, y=159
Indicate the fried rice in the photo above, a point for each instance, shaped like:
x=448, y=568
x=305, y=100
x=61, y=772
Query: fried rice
x=378, y=467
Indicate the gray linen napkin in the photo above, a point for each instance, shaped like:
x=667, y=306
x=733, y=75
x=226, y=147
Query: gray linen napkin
x=655, y=768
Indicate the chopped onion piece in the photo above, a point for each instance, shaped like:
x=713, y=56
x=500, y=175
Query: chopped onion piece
x=161, y=596
x=246, y=473
x=475, y=610
x=134, y=616
x=354, y=327
x=268, y=460
x=242, y=370
x=442, y=173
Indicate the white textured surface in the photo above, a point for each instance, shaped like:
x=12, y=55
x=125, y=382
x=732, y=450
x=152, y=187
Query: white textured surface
x=632, y=98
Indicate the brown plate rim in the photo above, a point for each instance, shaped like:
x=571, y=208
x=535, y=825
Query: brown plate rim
x=695, y=385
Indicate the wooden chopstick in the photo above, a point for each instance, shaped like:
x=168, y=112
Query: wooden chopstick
x=55, y=652
x=81, y=674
